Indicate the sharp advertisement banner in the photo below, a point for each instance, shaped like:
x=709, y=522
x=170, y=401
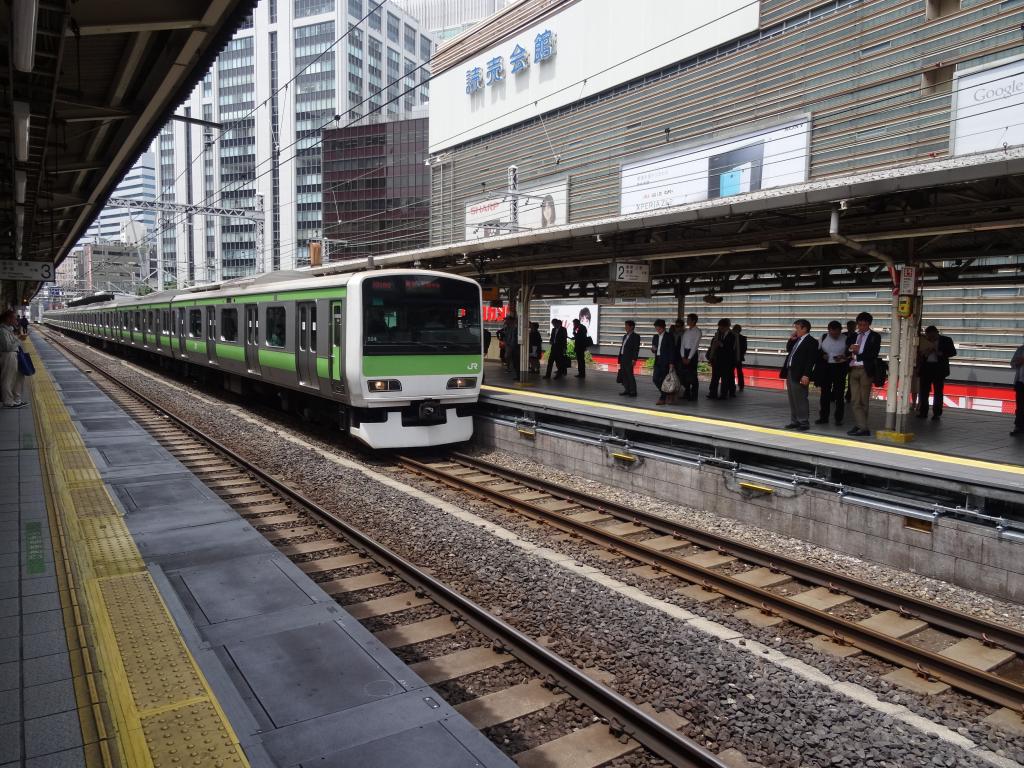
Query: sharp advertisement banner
x=988, y=109
x=772, y=157
x=584, y=49
x=530, y=209
x=585, y=313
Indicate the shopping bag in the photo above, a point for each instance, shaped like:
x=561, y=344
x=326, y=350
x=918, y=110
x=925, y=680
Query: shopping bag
x=671, y=383
x=25, y=363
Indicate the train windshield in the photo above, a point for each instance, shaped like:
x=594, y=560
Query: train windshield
x=420, y=315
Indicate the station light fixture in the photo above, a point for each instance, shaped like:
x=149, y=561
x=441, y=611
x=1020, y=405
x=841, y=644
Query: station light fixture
x=24, y=15
x=21, y=123
x=20, y=180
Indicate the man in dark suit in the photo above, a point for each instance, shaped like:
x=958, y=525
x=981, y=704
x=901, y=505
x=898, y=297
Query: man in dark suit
x=933, y=368
x=663, y=346
x=579, y=346
x=556, y=357
x=741, y=354
x=629, y=351
x=801, y=357
x=864, y=347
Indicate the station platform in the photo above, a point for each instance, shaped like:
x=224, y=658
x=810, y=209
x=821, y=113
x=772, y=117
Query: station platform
x=146, y=624
x=965, y=449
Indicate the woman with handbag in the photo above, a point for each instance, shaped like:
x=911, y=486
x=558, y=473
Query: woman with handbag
x=11, y=377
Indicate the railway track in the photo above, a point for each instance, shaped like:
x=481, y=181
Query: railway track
x=349, y=565
x=983, y=659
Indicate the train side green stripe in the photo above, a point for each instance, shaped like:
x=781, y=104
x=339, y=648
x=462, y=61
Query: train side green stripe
x=421, y=365
x=231, y=352
x=283, y=360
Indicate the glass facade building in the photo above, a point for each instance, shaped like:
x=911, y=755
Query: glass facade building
x=138, y=184
x=377, y=188
x=300, y=67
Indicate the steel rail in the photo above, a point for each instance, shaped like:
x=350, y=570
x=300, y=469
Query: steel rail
x=906, y=605
x=671, y=746
x=982, y=684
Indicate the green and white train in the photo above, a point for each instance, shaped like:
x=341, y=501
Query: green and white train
x=398, y=351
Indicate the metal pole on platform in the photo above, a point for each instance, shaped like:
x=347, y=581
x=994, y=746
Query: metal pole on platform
x=895, y=342
x=525, y=294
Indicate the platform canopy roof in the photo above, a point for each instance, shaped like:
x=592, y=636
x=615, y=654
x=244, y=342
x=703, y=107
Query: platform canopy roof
x=88, y=83
x=960, y=217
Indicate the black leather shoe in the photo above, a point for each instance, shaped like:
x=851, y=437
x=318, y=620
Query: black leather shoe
x=802, y=427
x=792, y=425
x=623, y=394
x=855, y=431
x=1017, y=431
x=936, y=417
x=821, y=421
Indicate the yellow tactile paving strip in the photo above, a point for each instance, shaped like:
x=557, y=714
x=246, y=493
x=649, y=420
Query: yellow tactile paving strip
x=142, y=698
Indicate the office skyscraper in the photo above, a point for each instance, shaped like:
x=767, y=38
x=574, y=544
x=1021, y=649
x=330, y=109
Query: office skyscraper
x=449, y=18
x=138, y=184
x=273, y=88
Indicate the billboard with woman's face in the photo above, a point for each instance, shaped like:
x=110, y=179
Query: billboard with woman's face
x=585, y=313
x=532, y=208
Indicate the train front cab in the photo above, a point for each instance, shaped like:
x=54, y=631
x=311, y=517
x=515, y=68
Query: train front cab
x=417, y=366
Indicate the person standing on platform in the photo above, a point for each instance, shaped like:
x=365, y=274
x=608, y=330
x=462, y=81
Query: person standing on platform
x=664, y=349
x=933, y=368
x=722, y=356
x=23, y=324
x=556, y=356
x=831, y=371
x=536, y=347
x=1017, y=363
x=629, y=351
x=11, y=379
x=689, y=357
x=512, y=344
x=801, y=357
x=579, y=348
x=863, y=350
x=741, y=354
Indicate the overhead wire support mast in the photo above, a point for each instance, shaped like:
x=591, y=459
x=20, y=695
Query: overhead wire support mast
x=255, y=215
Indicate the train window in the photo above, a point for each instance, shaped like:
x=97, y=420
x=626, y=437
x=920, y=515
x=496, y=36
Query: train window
x=229, y=324
x=414, y=315
x=195, y=323
x=137, y=321
x=276, y=332
x=301, y=335
x=312, y=328
x=149, y=321
x=211, y=323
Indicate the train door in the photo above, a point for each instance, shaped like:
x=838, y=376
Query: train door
x=211, y=334
x=158, y=328
x=252, y=338
x=337, y=333
x=305, y=348
x=180, y=325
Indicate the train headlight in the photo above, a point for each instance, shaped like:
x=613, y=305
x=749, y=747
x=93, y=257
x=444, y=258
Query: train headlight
x=384, y=385
x=462, y=382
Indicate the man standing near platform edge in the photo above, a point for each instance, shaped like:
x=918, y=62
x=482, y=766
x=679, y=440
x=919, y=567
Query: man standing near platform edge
x=933, y=364
x=629, y=351
x=864, y=347
x=797, y=372
x=664, y=348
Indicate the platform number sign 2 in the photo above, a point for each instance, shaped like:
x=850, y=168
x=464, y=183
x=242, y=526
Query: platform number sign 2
x=630, y=272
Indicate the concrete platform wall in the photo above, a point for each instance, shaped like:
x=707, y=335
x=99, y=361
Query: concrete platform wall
x=962, y=553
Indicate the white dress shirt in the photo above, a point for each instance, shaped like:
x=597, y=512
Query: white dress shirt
x=690, y=342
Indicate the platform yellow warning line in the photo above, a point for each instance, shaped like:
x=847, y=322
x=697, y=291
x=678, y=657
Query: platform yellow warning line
x=142, y=699
x=1012, y=469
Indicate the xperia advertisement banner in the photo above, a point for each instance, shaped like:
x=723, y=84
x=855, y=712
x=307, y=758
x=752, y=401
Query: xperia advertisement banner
x=538, y=207
x=772, y=157
x=585, y=313
x=988, y=109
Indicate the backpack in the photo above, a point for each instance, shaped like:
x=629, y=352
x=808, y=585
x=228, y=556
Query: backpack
x=881, y=373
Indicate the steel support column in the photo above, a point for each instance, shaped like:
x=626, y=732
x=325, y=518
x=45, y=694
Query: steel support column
x=523, y=310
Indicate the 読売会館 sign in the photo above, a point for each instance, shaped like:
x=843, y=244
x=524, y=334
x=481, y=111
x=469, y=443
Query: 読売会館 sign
x=772, y=157
x=988, y=108
x=532, y=208
x=585, y=48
